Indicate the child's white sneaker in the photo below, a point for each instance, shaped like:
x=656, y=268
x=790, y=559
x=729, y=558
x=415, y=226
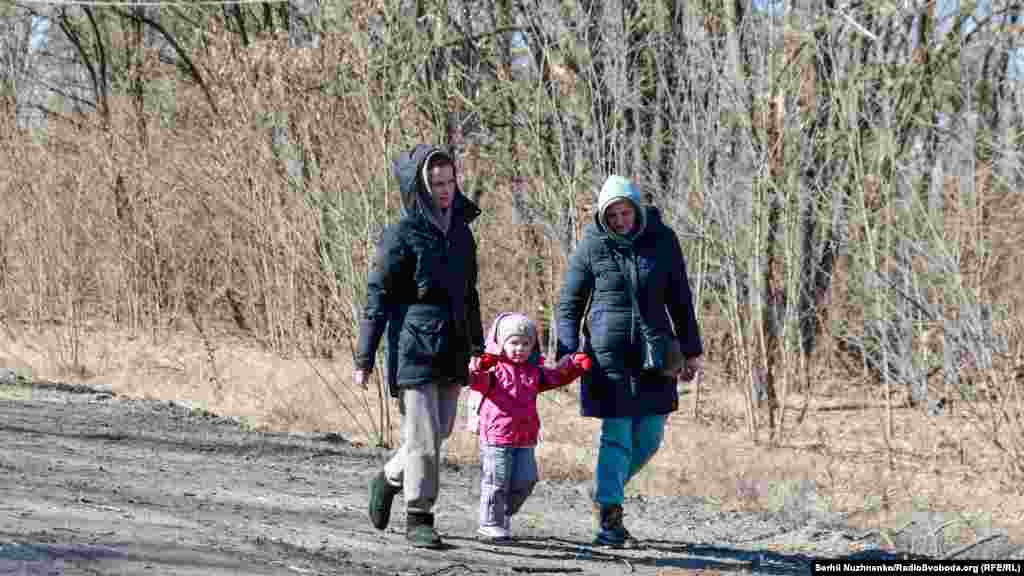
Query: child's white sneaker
x=494, y=534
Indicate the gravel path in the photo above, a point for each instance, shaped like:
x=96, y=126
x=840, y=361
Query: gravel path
x=98, y=484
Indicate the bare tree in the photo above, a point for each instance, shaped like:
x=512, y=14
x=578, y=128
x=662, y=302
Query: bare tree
x=303, y=31
x=836, y=170
x=20, y=35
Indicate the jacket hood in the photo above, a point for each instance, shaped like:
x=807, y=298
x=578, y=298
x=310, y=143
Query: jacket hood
x=651, y=216
x=617, y=188
x=414, y=188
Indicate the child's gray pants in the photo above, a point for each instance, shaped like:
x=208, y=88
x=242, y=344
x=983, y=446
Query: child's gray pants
x=507, y=477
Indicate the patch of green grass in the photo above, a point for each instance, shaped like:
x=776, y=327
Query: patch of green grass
x=18, y=390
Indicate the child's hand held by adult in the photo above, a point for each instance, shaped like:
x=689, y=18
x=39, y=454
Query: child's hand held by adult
x=483, y=362
x=583, y=361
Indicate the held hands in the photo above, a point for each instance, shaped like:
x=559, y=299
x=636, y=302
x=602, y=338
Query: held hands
x=690, y=368
x=570, y=364
x=483, y=362
x=582, y=361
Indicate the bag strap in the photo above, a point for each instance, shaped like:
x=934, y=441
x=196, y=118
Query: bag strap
x=630, y=284
x=585, y=324
x=637, y=316
x=627, y=273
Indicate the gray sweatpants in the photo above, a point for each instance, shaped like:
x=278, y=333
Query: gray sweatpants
x=507, y=477
x=428, y=416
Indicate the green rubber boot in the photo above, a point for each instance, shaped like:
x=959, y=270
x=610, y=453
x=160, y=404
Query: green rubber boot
x=382, y=494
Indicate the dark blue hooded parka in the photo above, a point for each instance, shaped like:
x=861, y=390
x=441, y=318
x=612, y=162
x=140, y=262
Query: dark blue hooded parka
x=422, y=286
x=616, y=387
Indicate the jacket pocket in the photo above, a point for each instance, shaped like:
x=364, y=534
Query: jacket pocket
x=422, y=339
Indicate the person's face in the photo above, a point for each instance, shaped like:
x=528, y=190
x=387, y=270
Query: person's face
x=518, y=348
x=442, y=185
x=620, y=217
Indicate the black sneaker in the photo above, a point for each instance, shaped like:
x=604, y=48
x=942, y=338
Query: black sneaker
x=382, y=494
x=612, y=533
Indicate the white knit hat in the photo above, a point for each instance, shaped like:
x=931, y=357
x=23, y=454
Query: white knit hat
x=515, y=324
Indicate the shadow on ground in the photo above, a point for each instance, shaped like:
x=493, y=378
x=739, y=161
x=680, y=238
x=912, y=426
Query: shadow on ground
x=653, y=554
x=42, y=555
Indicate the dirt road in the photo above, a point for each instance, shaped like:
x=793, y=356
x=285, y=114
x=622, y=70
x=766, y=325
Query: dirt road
x=97, y=484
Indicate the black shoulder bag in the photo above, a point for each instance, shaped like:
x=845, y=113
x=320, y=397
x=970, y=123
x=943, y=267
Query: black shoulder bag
x=662, y=354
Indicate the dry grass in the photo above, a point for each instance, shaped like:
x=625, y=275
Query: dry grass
x=190, y=268
x=835, y=461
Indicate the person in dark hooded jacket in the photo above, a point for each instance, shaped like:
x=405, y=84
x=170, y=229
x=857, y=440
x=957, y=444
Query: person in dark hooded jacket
x=422, y=296
x=629, y=272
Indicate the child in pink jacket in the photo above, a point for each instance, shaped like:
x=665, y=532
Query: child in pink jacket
x=509, y=377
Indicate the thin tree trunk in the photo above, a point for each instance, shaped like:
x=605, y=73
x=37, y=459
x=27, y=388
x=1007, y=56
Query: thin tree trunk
x=601, y=122
x=302, y=31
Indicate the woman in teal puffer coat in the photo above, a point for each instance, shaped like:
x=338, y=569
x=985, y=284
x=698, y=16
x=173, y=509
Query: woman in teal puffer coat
x=629, y=272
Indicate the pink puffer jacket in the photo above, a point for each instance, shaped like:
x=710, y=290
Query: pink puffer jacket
x=508, y=411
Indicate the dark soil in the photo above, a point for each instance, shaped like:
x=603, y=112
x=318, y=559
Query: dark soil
x=94, y=483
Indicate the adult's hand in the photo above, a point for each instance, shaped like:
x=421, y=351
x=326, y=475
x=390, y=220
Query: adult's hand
x=690, y=368
x=360, y=377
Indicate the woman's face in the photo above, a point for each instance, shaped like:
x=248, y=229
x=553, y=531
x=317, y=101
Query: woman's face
x=620, y=216
x=442, y=185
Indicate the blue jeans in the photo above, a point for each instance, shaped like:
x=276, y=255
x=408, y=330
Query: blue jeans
x=627, y=445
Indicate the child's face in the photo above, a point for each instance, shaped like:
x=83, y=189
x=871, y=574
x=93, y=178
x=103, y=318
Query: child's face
x=518, y=348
